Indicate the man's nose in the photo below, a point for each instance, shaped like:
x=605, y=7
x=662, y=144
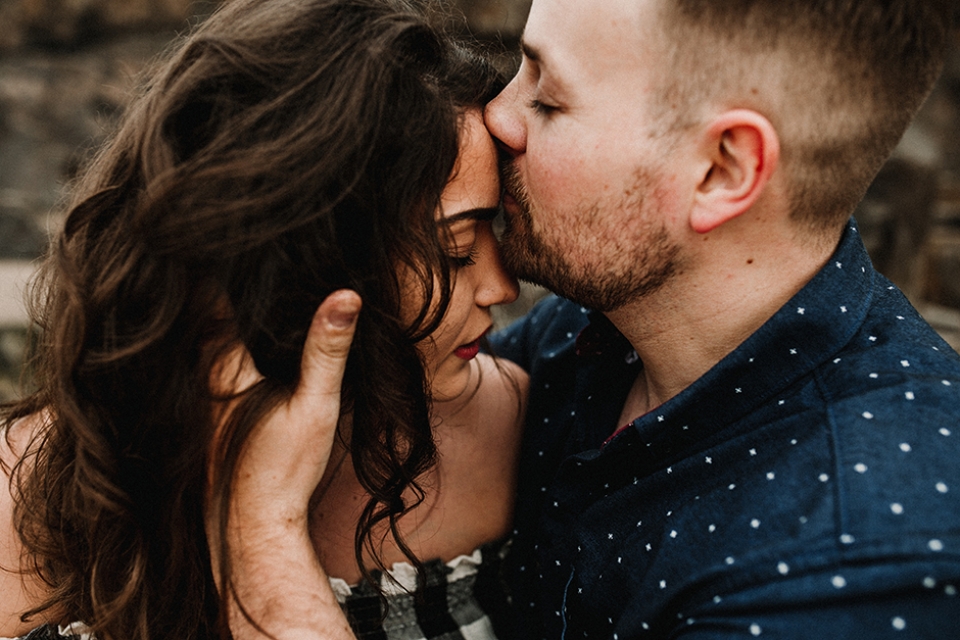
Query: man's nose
x=503, y=117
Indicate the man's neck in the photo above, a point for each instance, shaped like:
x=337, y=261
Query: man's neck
x=683, y=330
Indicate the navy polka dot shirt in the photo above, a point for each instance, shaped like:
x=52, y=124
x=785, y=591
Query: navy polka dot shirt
x=808, y=486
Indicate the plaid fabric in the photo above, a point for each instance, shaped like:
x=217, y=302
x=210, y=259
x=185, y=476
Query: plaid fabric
x=455, y=604
x=458, y=602
x=75, y=631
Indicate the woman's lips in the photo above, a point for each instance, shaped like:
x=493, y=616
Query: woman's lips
x=468, y=351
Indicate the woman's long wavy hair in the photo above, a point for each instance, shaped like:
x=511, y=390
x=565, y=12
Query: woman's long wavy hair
x=285, y=149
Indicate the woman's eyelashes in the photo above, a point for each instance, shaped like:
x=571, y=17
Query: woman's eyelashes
x=461, y=261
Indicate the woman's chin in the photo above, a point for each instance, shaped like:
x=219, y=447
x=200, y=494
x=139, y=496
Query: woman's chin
x=455, y=383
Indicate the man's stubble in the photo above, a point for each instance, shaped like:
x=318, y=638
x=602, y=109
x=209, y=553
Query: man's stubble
x=633, y=265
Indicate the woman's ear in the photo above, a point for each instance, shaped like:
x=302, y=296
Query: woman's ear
x=741, y=149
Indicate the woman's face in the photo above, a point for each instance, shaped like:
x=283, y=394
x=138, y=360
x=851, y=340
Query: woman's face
x=468, y=205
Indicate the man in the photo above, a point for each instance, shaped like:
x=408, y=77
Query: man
x=753, y=433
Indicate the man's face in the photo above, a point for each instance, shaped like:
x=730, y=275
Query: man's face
x=589, y=198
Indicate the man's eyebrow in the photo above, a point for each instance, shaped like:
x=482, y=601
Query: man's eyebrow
x=530, y=52
x=482, y=214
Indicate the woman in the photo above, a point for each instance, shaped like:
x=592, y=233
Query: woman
x=288, y=149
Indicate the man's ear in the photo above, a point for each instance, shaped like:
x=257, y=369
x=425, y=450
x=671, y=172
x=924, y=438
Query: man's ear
x=741, y=149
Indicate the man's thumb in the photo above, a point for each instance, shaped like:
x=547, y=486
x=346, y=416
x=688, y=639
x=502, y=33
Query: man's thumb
x=328, y=343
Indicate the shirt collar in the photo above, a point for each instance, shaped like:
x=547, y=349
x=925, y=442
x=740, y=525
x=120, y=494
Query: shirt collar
x=806, y=332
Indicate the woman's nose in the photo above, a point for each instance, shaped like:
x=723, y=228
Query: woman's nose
x=498, y=286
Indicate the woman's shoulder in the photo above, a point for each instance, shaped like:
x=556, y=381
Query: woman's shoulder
x=21, y=591
x=16, y=436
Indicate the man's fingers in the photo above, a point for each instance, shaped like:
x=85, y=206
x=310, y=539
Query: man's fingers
x=328, y=344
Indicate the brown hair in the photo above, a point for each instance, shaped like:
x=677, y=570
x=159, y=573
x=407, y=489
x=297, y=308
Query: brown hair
x=286, y=149
x=839, y=79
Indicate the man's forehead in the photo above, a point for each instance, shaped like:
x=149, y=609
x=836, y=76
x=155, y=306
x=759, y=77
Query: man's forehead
x=568, y=33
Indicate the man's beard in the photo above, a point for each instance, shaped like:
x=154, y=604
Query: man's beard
x=644, y=268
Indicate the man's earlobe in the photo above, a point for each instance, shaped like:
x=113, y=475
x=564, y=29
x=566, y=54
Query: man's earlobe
x=743, y=149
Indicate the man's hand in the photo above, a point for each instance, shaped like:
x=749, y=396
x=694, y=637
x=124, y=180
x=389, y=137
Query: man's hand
x=275, y=573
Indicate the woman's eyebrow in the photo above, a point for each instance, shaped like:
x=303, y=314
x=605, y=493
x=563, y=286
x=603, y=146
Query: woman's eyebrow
x=482, y=214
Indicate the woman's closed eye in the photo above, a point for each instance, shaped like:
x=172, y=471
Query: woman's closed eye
x=462, y=260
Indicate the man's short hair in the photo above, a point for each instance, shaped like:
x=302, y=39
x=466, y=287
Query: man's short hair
x=839, y=79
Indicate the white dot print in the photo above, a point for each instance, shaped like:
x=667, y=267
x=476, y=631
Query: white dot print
x=906, y=448
x=929, y=582
x=935, y=545
x=860, y=467
x=899, y=623
x=910, y=395
x=783, y=568
x=868, y=415
x=755, y=630
x=942, y=488
x=897, y=508
x=839, y=582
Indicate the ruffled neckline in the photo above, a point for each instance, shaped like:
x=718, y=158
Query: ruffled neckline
x=401, y=578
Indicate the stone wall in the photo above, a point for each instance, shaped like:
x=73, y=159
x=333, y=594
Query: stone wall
x=71, y=24
x=67, y=68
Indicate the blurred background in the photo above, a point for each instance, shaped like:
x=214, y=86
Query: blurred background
x=67, y=68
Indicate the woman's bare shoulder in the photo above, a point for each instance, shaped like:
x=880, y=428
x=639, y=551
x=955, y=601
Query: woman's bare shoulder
x=16, y=437
x=21, y=591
